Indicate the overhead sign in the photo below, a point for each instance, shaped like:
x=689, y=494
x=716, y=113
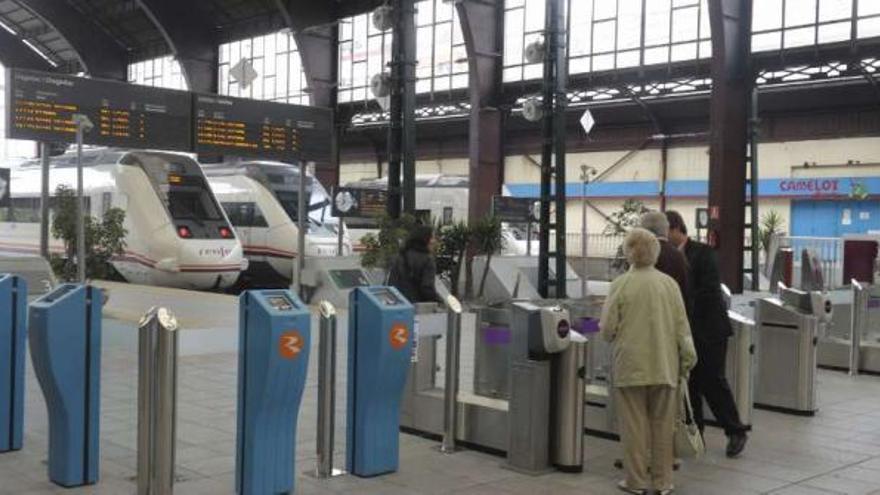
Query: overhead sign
x=512, y=209
x=4, y=188
x=41, y=107
x=238, y=126
x=243, y=73
x=352, y=202
x=587, y=121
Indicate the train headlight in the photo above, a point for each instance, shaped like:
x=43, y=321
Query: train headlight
x=226, y=232
x=184, y=232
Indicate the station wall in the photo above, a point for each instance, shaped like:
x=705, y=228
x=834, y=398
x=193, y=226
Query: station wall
x=842, y=167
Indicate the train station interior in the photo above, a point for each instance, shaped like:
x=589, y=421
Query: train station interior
x=439, y=247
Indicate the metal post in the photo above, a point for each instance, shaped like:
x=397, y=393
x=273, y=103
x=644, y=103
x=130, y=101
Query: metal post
x=157, y=402
x=586, y=170
x=450, y=394
x=44, y=201
x=83, y=125
x=529, y=236
x=302, y=220
x=326, y=392
x=857, y=323
x=80, y=210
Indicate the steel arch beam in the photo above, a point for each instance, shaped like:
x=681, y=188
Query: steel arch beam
x=99, y=54
x=318, y=48
x=14, y=53
x=191, y=38
x=732, y=79
x=482, y=26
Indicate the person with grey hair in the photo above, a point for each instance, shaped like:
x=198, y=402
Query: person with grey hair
x=671, y=261
x=645, y=319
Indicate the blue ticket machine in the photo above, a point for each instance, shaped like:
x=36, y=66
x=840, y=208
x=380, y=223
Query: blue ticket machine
x=380, y=330
x=65, y=341
x=13, y=331
x=273, y=359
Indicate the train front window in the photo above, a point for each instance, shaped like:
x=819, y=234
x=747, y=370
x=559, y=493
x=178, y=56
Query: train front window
x=190, y=199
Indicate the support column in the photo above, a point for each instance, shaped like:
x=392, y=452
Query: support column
x=731, y=87
x=482, y=24
x=402, y=124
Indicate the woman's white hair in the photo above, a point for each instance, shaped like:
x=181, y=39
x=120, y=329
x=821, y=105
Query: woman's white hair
x=641, y=248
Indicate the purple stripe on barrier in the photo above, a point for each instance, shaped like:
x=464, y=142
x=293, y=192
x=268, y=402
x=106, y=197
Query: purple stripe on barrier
x=496, y=335
x=874, y=303
x=586, y=325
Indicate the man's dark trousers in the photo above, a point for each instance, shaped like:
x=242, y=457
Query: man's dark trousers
x=708, y=380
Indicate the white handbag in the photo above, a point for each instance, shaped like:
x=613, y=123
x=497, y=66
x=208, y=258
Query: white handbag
x=688, y=441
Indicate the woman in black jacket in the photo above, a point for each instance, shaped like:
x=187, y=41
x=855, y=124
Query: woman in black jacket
x=413, y=271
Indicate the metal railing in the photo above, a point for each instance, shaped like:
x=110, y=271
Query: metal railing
x=598, y=245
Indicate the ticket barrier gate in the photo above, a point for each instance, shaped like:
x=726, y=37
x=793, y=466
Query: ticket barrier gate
x=65, y=343
x=852, y=339
x=274, y=343
x=380, y=331
x=13, y=331
x=529, y=424
x=788, y=331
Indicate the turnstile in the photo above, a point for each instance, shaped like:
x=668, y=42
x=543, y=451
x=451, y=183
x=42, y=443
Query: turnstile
x=65, y=344
x=538, y=425
x=274, y=343
x=852, y=338
x=380, y=331
x=788, y=333
x=13, y=331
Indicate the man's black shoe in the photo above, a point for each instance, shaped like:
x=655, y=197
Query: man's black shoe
x=735, y=444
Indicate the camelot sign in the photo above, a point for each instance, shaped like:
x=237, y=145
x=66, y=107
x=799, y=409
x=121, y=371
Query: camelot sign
x=819, y=187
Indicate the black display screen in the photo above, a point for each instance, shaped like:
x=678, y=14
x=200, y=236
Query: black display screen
x=511, y=209
x=279, y=303
x=41, y=106
x=349, y=279
x=238, y=126
x=386, y=297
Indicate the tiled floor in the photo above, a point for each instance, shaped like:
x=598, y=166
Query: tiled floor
x=838, y=451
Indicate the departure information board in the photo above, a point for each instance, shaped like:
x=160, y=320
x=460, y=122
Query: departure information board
x=40, y=107
x=265, y=129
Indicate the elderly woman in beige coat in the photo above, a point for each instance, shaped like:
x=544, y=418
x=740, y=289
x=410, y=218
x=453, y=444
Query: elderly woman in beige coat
x=644, y=318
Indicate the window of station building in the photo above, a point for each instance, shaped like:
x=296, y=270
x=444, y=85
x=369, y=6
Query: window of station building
x=277, y=64
x=786, y=24
x=441, y=57
x=610, y=34
x=161, y=72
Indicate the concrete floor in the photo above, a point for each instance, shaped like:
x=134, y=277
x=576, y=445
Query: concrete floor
x=838, y=451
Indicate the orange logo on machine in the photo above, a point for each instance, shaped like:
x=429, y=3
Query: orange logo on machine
x=398, y=336
x=290, y=344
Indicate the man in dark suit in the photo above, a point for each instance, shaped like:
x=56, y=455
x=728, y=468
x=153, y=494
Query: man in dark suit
x=711, y=328
x=671, y=261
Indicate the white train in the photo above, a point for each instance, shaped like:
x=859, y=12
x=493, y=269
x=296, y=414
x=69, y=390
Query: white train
x=178, y=236
x=261, y=199
x=446, y=197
